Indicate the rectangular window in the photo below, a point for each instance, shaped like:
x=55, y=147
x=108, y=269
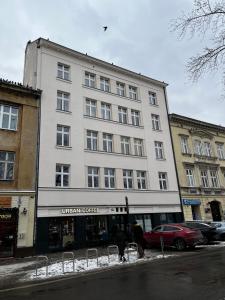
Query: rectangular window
x=109, y=175
x=141, y=180
x=122, y=112
x=214, y=178
x=135, y=117
x=62, y=175
x=159, y=153
x=220, y=151
x=198, y=147
x=125, y=145
x=63, y=136
x=93, y=177
x=207, y=149
x=128, y=179
x=63, y=101
x=190, y=177
x=89, y=79
x=92, y=140
x=91, y=108
x=105, y=111
x=8, y=117
x=120, y=88
x=155, y=122
x=107, y=142
x=7, y=161
x=138, y=147
x=63, y=71
x=184, y=144
x=163, y=181
x=152, y=98
x=104, y=84
x=204, y=178
x=133, y=92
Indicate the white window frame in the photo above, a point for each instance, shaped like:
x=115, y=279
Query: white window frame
x=93, y=174
x=204, y=178
x=163, y=181
x=133, y=92
x=190, y=176
x=141, y=180
x=128, y=179
x=107, y=142
x=90, y=79
x=159, y=150
x=63, y=101
x=63, y=132
x=63, y=71
x=214, y=180
x=184, y=145
x=125, y=145
x=152, y=98
x=135, y=117
x=109, y=178
x=105, y=111
x=92, y=140
x=220, y=150
x=7, y=165
x=63, y=174
x=138, y=147
x=207, y=149
x=198, y=147
x=105, y=84
x=91, y=107
x=10, y=115
x=156, y=122
x=122, y=114
x=120, y=89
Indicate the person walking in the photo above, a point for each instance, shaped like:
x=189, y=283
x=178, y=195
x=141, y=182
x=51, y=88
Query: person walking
x=138, y=238
x=120, y=240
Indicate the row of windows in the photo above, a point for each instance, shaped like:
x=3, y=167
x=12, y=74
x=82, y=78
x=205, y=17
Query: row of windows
x=63, y=72
x=92, y=142
x=203, y=148
x=62, y=178
x=209, y=177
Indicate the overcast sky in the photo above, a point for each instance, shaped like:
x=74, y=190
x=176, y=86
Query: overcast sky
x=138, y=38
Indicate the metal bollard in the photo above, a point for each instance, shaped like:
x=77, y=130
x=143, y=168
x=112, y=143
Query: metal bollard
x=112, y=247
x=162, y=245
x=67, y=254
x=95, y=254
x=42, y=258
x=135, y=248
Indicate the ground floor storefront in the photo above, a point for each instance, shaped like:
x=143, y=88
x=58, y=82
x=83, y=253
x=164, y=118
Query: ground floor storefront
x=73, y=232
x=206, y=208
x=16, y=224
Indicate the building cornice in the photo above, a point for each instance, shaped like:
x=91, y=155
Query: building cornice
x=41, y=42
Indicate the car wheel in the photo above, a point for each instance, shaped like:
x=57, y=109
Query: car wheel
x=222, y=237
x=180, y=244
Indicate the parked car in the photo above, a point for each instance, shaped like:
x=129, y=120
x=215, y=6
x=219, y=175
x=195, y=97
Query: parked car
x=220, y=230
x=208, y=231
x=174, y=235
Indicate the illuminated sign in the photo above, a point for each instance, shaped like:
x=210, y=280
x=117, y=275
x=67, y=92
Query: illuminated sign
x=5, y=217
x=79, y=210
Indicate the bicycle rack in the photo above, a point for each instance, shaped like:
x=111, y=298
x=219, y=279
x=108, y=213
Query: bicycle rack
x=68, y=255
x=42, y=258
x=134, y=247
x=89, y=254
x=112, y=249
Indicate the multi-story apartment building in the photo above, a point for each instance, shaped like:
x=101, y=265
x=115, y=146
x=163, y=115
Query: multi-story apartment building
x=200, y=158
x=19, y=107
x=104, y=141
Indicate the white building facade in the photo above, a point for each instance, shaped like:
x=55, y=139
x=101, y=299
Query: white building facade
x=104, y=141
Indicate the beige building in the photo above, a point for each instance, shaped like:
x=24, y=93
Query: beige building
x=19, y=107
x=200, y=159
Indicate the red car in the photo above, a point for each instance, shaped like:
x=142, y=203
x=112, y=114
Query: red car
x=174, y=235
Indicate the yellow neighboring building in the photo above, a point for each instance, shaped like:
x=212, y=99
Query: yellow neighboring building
x=200, y=159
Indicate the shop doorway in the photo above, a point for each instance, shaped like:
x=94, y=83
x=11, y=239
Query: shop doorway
x=195, y=209
x=8, y=231
x=215, y=210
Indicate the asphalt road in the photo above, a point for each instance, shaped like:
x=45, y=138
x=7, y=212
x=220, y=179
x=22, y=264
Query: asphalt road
x=200, y=275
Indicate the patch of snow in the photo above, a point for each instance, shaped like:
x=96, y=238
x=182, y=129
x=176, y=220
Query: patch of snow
x=6, y=269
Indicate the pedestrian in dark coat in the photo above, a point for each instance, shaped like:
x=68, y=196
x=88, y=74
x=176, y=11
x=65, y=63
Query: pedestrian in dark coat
x=121, y=240
x=138, y=238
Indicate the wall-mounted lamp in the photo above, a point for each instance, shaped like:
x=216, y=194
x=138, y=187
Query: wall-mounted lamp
x=24, y=212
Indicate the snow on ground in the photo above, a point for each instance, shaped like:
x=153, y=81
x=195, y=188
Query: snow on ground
x=6, y=269
x=220, y=244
